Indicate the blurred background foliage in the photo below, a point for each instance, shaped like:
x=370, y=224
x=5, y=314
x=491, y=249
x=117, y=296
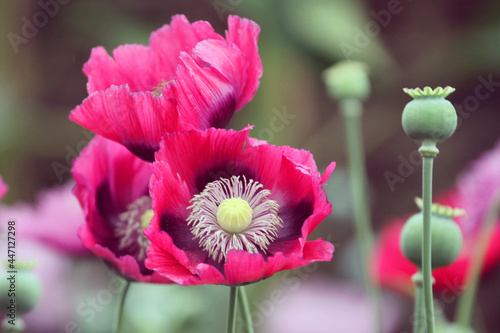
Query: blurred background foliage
x=449, y=42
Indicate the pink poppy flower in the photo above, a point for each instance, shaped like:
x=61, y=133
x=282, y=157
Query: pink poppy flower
x=233, y=210
x=188, y=77
x=474, y=192
x=53, y=220
x=3, y=188
x=112, y=187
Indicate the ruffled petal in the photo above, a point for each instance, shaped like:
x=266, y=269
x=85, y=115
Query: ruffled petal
x=133, y=65
x=187, y=161
x=318, y=250
x=144, y=68
x=242, y=267
x=180, y=36
x=136, y=120
x=199, y=157
x=244, y=34
x=206, y=96
x=108, y=179
x=125, y=265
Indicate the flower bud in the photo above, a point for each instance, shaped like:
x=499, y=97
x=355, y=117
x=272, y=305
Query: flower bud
x=22, y=290
x=446, y=240
x=429, y=117
x=347, y=79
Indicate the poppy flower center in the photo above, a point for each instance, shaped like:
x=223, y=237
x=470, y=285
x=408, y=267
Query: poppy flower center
x=234, y=213
x=129, y=229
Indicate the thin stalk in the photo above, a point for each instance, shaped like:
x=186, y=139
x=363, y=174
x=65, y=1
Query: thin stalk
x=419, y=316
x=231, y=317
x=121, y=306
x=351, y=110
x=247, y=316
x=466, y=302
x=426, y=248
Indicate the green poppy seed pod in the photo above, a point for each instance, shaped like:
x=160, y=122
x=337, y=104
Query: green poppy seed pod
x=429, y=117
x=347, y=79
x=22, y=291
x=446, y=240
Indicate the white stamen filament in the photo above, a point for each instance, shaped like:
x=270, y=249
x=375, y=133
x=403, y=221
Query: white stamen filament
x=249, y=233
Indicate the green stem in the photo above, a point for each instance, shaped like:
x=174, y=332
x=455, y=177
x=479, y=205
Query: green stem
x=121, y=306
x=428, y=152
x=231, y=317
x=245, y=308
x=466, y=302
x=351, y=110
x=419, y=319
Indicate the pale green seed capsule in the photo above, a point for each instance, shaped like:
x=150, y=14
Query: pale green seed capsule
x=446, y=240
x=347, y=80
x=429, y=117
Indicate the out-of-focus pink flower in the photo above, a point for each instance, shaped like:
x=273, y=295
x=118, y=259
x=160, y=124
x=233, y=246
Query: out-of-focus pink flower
x=3, y=188
x=198, y=175
x=55, y=308
x=54, y=219
x=318, y=305
x=477, y=187
x=474, y=192
x=188, y=77
x=112, y=187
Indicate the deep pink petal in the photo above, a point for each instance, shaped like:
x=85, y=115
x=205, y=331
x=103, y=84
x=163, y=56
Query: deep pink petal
x=133, y=65
x=206, y=97
x=318, y=250
x=143, y=68
x=126, y=265
x=244, y=34
x=242, y=267
x=188, y=161
x=180, y=36
x=199, y=157
x=328, y=171
x=108, y=179
x=137, y=120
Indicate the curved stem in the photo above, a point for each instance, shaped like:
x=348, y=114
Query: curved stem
x=351, y=110
x=466, y=302
x=426, y=248
x=121, y=306
x=231, y=317
x=247, y=316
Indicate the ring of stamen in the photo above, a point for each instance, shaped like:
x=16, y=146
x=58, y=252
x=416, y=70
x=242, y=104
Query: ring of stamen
x=234, y=214
x=129, y=229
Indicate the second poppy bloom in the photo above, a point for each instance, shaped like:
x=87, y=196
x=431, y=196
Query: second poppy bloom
x=188, y=77
x=233, y=210
x=112, y=187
